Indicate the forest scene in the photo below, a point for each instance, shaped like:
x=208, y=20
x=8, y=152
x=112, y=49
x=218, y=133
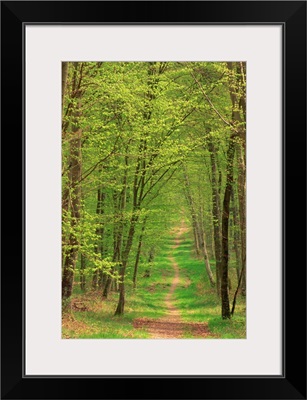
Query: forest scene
x=154, y=200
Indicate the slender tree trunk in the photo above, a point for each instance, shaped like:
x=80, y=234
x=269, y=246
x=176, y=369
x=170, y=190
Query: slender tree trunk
x=242, y=212
x=196, y=236
x=210, y=242
x=107, y=285
x=95, y=279
x=225, y=225
x=68, y=272
x=65, y=194
x=116, y=252
x=138, y=253
x=115, y=285
x=196, y=233
x=121, y=302
x=216, y=215
x=203, y=246
x=99, y=233
x=74, y=177
x=73, y=243
x=206, y=259
x=138, y=190
x=236, y=293
x=119, y=207
x=82, y=272
x=115, y=258
x=151, y=256
x=236, y=234
x=101, y=278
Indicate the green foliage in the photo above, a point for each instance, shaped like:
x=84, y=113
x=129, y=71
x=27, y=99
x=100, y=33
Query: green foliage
x=199, y=302
x=194, y=297
x=144, y=127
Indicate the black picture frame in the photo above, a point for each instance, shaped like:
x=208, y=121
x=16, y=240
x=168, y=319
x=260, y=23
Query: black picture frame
x=292, y=16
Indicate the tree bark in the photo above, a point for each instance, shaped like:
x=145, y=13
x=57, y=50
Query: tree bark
x=74, y=176
x=138, y=253
x=237, y=95
x=236, y=293
x=121, y=303
x=242, y=212
x=225, y=225
x=99, y=233
x=203, y=246
x=82, y=274
x=196, y=233
x=107, y=285
x=216, y=215
x=151, y=256
x=236, y=234
x=75, y=197
x=206, y=258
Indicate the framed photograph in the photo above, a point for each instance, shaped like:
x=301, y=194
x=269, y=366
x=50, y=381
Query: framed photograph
x=162, y=149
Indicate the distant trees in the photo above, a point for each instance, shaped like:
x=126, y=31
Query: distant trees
x=139, y=139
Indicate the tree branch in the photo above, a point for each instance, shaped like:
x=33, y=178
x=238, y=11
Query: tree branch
x=211, y=104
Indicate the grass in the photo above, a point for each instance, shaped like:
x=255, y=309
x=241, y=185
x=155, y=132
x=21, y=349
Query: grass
x=147, y=301
x=194, y=296
x=199, y=301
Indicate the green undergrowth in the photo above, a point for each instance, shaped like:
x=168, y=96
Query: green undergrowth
x=88, y=316
x=97, y=321
x=199, y=302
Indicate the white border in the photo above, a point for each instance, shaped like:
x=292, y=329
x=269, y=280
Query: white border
x=46, y=352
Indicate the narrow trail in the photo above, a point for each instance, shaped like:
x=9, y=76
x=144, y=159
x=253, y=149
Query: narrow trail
x=171, y=326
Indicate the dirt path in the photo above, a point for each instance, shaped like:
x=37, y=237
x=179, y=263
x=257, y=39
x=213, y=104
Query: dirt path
x=171, y=326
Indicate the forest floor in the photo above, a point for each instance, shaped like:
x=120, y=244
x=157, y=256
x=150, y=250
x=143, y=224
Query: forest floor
x=171, y=325
x=175, y=301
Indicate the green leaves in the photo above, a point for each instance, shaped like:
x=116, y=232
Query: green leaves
x=141, y=124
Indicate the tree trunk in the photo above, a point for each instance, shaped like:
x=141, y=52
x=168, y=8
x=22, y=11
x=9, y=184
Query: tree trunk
x=238, y=98
x=236, y=293
x=196, y=236
x=101, y=279
x=206, y=259
x=119, y=201
x=237, y=95
x=65, y=194
x=99, y=233
x=82, y=274
x=107, y=284
x=236, y=234
x=216, y=215
x=196, y=233
x=151, y=256
x=95, y=279
x=68, y=272
x=74, y=177
x=203, y=246
x=121, y=303
x=225, y=225
x=242, y=212
x=138, y=253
